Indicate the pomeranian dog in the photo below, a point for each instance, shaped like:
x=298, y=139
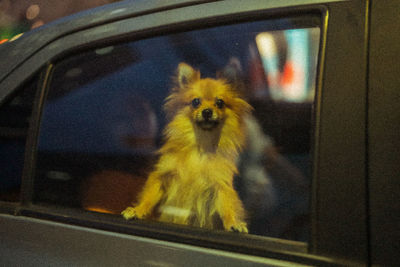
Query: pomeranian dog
x=192, y=183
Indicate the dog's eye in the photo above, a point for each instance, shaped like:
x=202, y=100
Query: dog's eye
x=196, y=102
x=219, y=103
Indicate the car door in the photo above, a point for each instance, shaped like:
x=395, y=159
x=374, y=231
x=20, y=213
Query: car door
x=99, y=82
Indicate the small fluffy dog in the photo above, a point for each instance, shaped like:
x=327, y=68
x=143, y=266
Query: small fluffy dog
x=192, y=183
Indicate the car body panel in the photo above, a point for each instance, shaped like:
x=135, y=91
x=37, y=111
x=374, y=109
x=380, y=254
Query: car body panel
x=355, y=188
x=384, y=129
x=58, y=244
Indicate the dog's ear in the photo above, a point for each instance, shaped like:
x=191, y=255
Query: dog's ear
x=186, y=75
x=232, y=73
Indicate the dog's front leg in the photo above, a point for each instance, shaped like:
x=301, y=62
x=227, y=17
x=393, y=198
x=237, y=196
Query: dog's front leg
x=230, y=209
x=148, y=199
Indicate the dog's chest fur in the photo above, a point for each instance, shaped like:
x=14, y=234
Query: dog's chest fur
x=191, y=192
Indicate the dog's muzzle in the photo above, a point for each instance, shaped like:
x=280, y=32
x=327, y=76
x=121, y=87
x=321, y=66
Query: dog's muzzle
x=208, y=120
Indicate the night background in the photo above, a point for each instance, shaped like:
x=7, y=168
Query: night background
x=18, y=16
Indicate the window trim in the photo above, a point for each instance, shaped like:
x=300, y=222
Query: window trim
x=28, y=175
x=253, y=245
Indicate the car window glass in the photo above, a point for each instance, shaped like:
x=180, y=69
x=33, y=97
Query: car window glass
x=106, y=128
x=14, y=122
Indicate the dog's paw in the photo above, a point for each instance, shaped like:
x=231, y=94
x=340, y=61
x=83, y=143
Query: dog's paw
x=133, y=213
x=129, y=213
x=240, y=227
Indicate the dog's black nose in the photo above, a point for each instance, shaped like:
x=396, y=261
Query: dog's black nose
x=207, y=113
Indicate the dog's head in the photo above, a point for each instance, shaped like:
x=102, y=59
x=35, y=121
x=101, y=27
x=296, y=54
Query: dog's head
x=207, y=102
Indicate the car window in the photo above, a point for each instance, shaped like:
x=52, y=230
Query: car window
x=117, y=123
x=14, y=123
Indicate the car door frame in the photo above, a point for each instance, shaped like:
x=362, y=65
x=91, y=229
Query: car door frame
x=340, y=140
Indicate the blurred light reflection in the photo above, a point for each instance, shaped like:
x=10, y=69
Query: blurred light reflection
x=32, y=12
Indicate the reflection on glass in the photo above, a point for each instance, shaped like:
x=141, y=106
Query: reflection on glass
x=294, y=82
x=103, y=120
